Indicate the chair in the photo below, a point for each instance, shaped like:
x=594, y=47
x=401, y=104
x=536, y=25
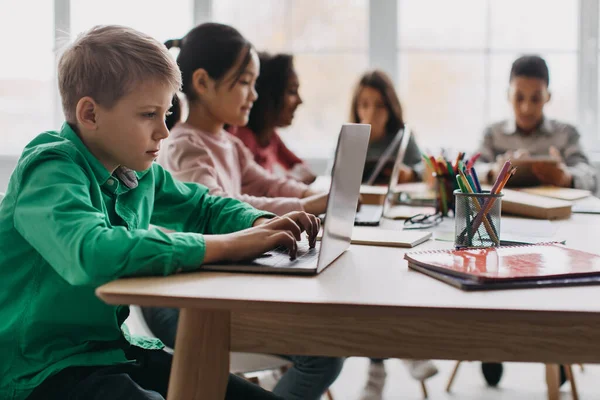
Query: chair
x=568, y=372
x=239, y=363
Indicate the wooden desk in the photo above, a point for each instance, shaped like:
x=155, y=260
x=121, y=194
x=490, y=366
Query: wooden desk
x=366, y=304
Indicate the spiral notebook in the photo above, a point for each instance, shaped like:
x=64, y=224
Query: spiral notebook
x=472, y=285
x=538, y=262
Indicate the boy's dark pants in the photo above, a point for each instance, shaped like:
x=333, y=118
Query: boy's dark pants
x=146, y=379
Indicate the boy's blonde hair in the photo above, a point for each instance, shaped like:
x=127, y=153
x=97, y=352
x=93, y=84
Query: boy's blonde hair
x=107, y=62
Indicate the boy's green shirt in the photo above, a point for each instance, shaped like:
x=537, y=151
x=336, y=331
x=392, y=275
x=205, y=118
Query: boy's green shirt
x=68, y=226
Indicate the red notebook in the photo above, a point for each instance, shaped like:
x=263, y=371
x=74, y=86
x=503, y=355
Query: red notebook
x=509, y=263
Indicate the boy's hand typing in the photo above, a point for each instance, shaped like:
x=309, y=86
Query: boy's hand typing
x=553, y=174
x=266, y=235
x=261, y=221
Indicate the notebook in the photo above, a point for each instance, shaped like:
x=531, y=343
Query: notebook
x=558, y=192
x=534, y=206
x=386, y=237
x=546, y=261
x=405, y=212
x=471, y=285
x=589, y=205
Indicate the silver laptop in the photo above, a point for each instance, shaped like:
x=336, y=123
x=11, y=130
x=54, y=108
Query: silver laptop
x=369, y=214
x=346, y=175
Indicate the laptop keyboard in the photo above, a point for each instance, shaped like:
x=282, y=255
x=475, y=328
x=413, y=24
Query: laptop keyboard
x=280, y=258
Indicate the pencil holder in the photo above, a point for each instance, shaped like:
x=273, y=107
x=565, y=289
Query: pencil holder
x=477, y=219
x=445, y=185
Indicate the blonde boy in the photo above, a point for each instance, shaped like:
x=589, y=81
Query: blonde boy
x=76, y=215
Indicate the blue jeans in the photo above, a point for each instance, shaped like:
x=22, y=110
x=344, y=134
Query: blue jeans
x=145, y=379
x=308, y=379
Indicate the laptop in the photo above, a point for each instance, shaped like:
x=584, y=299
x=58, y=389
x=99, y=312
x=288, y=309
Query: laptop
x=346, y=175
x=370, y=214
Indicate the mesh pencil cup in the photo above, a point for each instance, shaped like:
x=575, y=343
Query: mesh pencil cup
x=473, y=228
x=445, y=185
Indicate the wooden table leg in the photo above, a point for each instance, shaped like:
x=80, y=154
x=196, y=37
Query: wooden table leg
x=552, y=377
x=201, y=361
x=571, y=379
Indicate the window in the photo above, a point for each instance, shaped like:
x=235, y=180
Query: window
x=159, y=18
x=454, y=63
x=28, y=91
x=329, y=41
x=451, y=59
x=27, y=74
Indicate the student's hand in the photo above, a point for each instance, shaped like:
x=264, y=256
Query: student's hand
x=502, y=158
x=553, y=174
x=315, y=204
x=406, y=174
x=282, y=231
x=306, y=222
x=261, y=221
x=302, y=173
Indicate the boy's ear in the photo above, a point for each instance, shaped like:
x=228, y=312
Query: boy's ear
x=549, y=96
x=85, y=112
x=201, y=81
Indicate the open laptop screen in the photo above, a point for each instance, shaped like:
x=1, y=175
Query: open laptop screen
x=406, y=135
x=345, y=188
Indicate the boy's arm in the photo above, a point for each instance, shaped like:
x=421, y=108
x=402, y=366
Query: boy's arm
x=584, y=175
x=188, y=207
x=55, y=215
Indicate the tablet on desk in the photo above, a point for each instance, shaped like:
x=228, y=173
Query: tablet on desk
x=524, y=175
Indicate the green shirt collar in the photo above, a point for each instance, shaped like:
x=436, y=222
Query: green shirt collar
x=100, y=172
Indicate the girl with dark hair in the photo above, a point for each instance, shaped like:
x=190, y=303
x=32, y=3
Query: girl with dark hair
x=278, y=98
x=219, y=68
x=375, y=102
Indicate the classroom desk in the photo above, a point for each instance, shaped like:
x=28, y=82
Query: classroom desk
x=367, y=303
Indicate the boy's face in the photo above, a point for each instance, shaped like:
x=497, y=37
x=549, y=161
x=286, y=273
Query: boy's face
x=129, y=133
x=528, y=96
